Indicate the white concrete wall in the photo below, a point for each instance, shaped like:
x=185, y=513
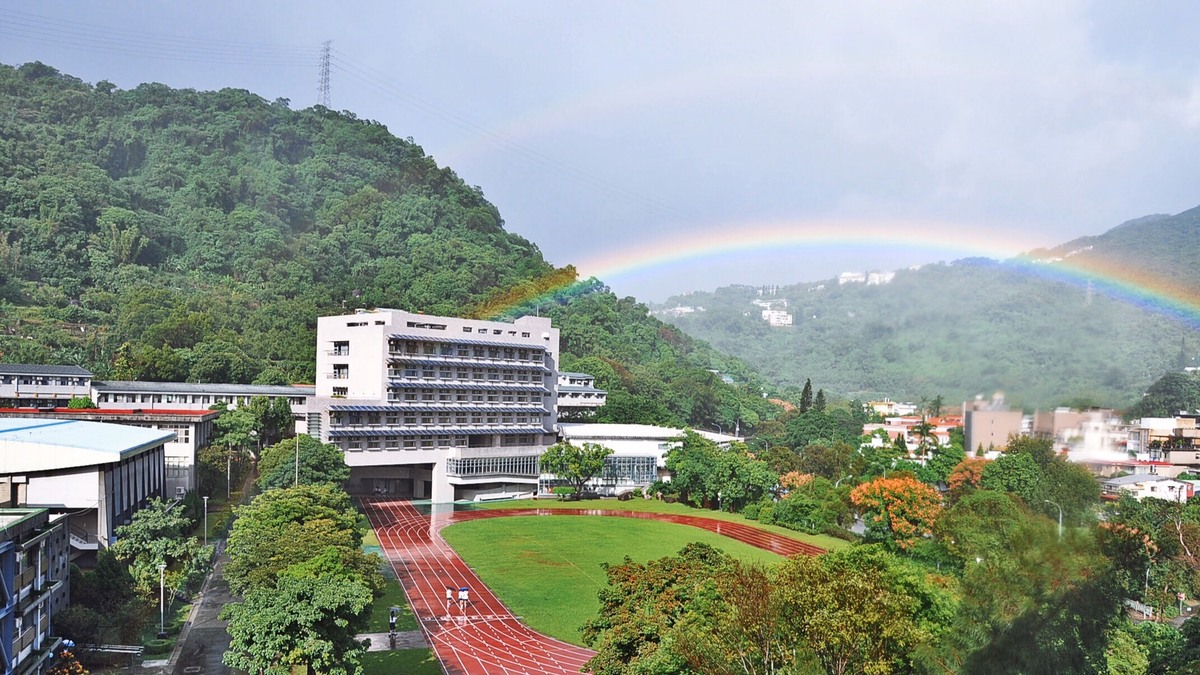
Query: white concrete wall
x=79, y=490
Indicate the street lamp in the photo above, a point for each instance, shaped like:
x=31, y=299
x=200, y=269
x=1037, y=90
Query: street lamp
x=162, y=600
x=205, y=498
x=1059, y=517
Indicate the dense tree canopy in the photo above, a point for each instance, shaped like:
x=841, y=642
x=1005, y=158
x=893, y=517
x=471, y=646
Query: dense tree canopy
x=176, y=235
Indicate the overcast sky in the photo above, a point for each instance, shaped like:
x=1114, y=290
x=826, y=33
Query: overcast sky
x=622, y=136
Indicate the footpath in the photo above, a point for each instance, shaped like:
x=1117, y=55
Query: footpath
x=204, y=638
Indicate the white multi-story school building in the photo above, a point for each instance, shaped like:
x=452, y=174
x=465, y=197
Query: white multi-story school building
x=439, y=408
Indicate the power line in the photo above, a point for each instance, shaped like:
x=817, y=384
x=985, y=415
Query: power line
x=42, y=30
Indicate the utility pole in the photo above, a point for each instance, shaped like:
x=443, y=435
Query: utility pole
x=323, y=86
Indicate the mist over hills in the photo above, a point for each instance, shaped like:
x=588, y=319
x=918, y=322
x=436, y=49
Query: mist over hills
x=1092, y=322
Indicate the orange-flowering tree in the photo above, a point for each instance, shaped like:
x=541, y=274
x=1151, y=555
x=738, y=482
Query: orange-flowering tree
x=899, y=510
x=967, y=475
x=794, y=480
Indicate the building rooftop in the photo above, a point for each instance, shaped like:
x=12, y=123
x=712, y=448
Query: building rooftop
x=200, y=388
x=39, y=369
x=155, y=413
x=14, y=521
x=585, y=431
x=29, y=444
x=1134, y=479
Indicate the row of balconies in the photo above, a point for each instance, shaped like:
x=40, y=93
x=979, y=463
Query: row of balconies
x=482, y=360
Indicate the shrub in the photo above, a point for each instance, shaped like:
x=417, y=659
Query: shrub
x=766, y=514
x=638, y=493
x=670, y=499
x=158, y=646
x=563, y=491
x=751, y=511
x=841, y=533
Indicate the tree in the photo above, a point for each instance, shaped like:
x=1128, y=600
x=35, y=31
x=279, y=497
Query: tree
x=899, y=511
x=835, y=461
x=818, y=403
x=1015, y=473
x=806, y=396
x=935, y=406
x=286, y=526
x=303, y=621
x=980, y=523
x=850, y=620
x=236, y=428
x=633, y=630
x=576, y=465
x=705, y=474
x=967, y=475
x=154, y=536
x=1172, y=393
x=318, y=463
x=81, y=403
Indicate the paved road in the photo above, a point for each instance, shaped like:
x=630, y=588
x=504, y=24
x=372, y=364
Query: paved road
x=206, y=639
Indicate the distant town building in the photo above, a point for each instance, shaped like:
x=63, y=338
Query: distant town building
x=868, y=278
x=906, y=427
x=988, y=424
x=1141, y=486
x=677, y=312
x=889, y=408
x=776, y=317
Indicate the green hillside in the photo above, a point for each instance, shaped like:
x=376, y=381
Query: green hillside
x=177, y=235
x=977, y=326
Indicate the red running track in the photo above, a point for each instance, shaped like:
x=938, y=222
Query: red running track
x=486, y=639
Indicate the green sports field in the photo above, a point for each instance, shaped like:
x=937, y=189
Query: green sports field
x=658, y=506
x=548, y=570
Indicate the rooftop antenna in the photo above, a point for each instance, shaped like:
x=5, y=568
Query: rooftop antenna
x=323, y=86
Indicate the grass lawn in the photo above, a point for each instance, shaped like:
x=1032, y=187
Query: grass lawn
x=407, y=661
x=658, y=506
x=393, y=596
x=547, y=570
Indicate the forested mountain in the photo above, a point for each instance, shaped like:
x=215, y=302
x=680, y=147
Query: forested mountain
x=978, y=326
x=178, y=235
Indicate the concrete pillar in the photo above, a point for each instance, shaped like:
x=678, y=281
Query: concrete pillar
x=443, y=491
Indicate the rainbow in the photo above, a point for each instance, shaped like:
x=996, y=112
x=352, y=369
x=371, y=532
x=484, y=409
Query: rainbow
x=954, y=241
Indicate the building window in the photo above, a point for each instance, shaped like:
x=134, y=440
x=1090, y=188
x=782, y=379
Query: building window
x=339, y=391
x=341, y=348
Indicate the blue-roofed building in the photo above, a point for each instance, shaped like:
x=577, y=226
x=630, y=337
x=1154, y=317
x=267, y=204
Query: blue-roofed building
x=99, y=473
